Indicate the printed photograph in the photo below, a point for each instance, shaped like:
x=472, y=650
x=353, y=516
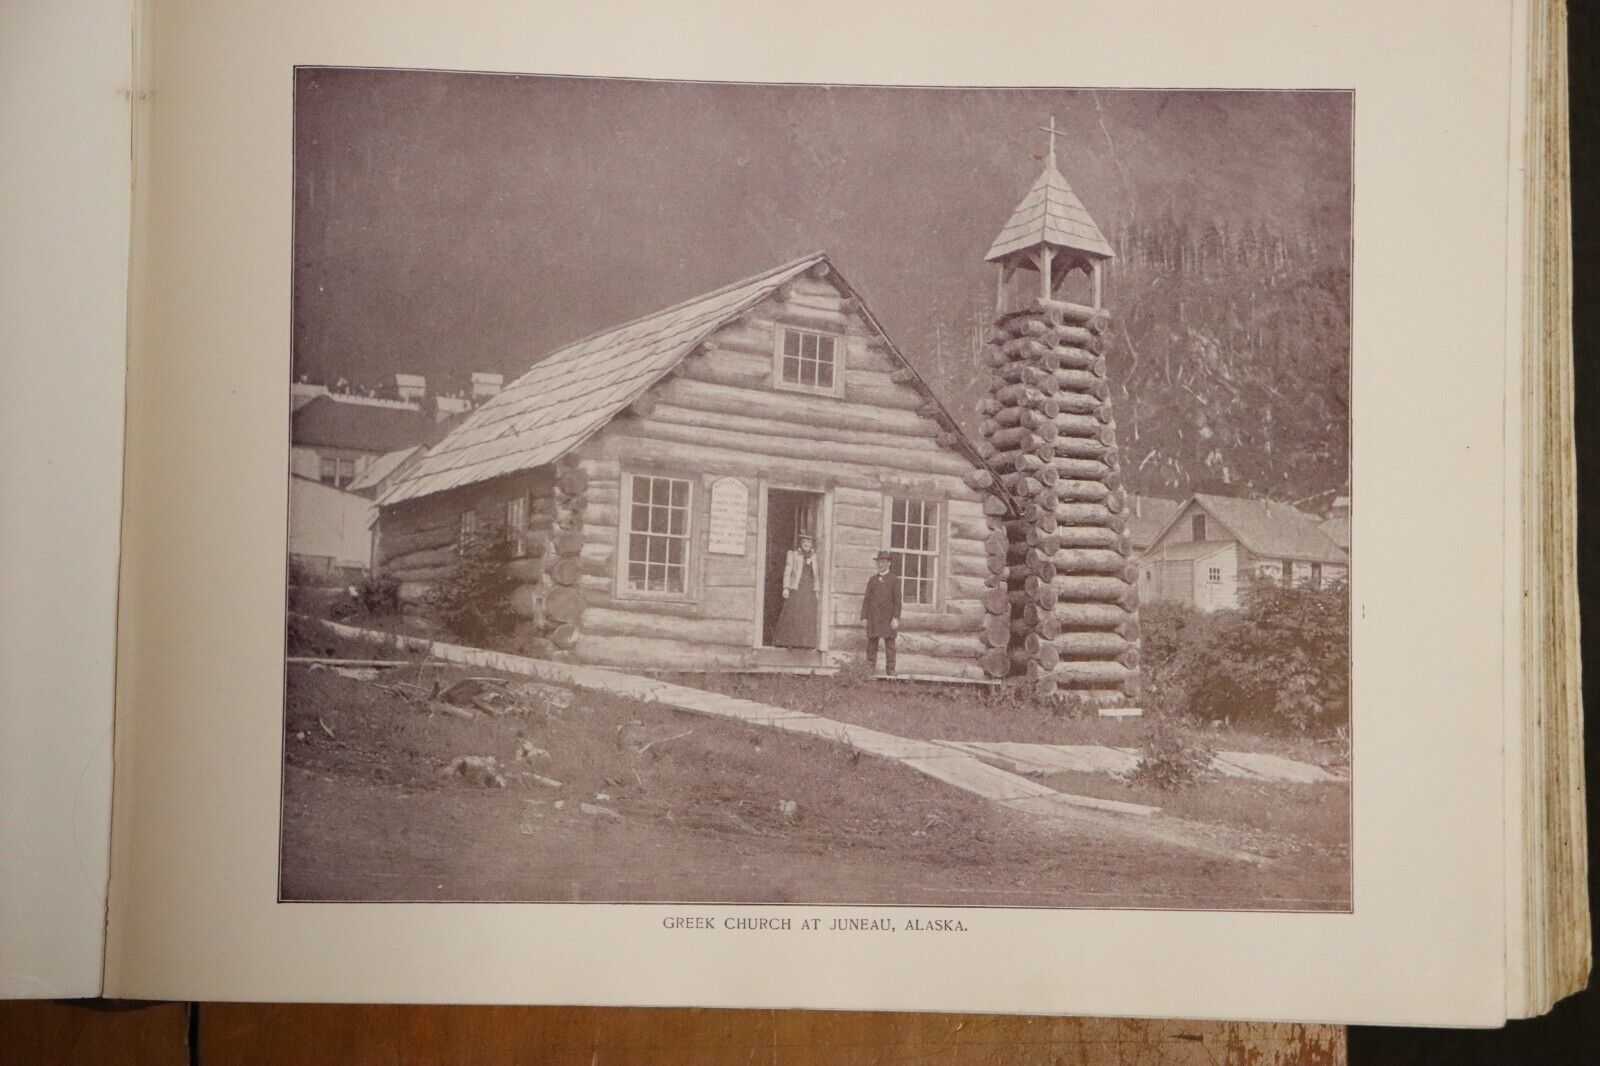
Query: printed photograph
x=831, y=495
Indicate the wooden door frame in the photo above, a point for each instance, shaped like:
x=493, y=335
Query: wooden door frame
x=824, y=534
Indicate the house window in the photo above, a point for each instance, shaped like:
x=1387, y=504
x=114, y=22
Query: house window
x=1288, y=572
x=658, y=535
x=1214, y=575
x=469, y=530
x=914, y=543
x=337, y=472
x=1197, y=527
x=517, y=525
x=807, y=360
x=1316, y=575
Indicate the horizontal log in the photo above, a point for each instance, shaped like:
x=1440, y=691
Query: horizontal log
x=944, y=645
x=1092, y=537
x=1090, y=589
x=1082, y=448
x=939, y=666
x=978, y=479
x=994, y=504
x=1083, y=403
x=1087, y=674
x=794, y=427
x=766, y=402
x=1072, y=425
x=419, y=573
x=1079, y=382
x=392, y=544
x=1041, y=597
x=931, y=622
x=429, y=557
x=1042, y=657
x=1022, y=395
x=1087, y=514
x=1075, y=336
x=1094, y=616
x=1074, y=491
x=708, y=433
x=1063, y=312
x=1101, y=645
x=623, y=621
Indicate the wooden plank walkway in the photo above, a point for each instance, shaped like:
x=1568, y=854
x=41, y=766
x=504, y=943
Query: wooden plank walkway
x=944, y=763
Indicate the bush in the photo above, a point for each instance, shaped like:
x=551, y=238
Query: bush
x=378, y=594
x=473, y=602
x=1171, y=757
x=1281, y=661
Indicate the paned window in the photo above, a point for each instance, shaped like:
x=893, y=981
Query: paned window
x=914, y=543
x=658, y=535
x=807, y=360
x=517, y=525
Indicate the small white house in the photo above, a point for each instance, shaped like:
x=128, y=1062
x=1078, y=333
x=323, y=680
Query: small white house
x=1214, y=541
x=330, y=530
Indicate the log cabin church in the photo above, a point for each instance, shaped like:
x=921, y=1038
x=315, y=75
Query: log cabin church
x=653, y=477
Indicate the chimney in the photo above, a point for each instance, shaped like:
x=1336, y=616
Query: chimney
x=410, y=386
x=486, y=384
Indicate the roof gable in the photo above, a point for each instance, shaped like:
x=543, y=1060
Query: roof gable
x=1266, y=528
x=330, y=423
x=575, y=391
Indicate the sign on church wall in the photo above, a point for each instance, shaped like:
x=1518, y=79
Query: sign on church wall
x=730, y=516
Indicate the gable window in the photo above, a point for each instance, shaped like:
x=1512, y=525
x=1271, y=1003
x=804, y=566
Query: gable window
x=517, y=525
x=807, y=360
x=1214, y=575
x=658, y=535
x=913, y=541
x=469, y=530
x=1197, y=527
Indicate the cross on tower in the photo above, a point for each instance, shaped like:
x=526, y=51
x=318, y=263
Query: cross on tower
x=1053, y=132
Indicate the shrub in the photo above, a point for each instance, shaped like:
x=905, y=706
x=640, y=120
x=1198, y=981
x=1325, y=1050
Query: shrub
x=378, y=594
x=1281, y=661
x=1171, y=757
x=473, y=601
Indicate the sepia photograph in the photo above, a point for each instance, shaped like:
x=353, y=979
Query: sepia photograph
x=817, y=494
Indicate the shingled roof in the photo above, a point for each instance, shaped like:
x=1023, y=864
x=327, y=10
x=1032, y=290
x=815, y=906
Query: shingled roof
x=1271, y=529
x=331, y=423
x=1051, y=213
x=570, y=394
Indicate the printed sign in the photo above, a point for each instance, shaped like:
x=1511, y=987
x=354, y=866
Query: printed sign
x=730, y=515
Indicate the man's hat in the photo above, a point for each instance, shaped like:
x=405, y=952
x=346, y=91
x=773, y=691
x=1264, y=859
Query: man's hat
x=885, y=557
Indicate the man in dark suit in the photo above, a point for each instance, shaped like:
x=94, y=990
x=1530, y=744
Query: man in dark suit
x=880, y=608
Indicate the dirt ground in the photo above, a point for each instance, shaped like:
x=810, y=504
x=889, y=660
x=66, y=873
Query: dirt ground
x=642, y=803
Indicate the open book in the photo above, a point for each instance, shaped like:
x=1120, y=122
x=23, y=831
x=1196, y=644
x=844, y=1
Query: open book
x=1051, y=508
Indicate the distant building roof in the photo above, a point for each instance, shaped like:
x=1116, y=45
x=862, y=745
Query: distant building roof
x=1189, y=549
x=381, y=467
x=331, y=423
x=1337, y=528
x=1271, y=529
x=576, y=390
x=1147, y=516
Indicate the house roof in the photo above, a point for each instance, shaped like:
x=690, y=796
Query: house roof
x=361, y=427
x=1052, y=214
x=1181, y=550
x=1147, y=516
x=1271, y=529
x=577, y=389
x=382, y=467
x=1337, y=528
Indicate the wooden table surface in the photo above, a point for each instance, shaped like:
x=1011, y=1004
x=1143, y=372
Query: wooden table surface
x=226, y=1033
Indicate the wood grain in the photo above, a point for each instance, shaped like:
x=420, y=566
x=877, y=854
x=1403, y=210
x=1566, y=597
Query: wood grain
x=238, y=1034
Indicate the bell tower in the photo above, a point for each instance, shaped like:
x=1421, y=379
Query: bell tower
x=1050, y=233
x=1063, y=582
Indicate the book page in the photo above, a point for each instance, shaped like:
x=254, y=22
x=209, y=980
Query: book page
x=581, y=312
x=67, y=68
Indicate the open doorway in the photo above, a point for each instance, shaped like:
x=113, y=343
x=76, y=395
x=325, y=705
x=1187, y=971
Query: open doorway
x=791, y=514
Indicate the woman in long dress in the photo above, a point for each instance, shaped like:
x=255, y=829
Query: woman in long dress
x=797, y=625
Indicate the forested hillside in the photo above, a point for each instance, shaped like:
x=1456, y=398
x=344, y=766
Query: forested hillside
x=1229, y=360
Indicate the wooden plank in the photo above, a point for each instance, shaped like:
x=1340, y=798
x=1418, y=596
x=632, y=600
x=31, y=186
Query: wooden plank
x=303, y=1034
x=55, y=1031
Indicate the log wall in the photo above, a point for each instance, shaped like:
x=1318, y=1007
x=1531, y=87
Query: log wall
x=720, y=415
x=1065, y=567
